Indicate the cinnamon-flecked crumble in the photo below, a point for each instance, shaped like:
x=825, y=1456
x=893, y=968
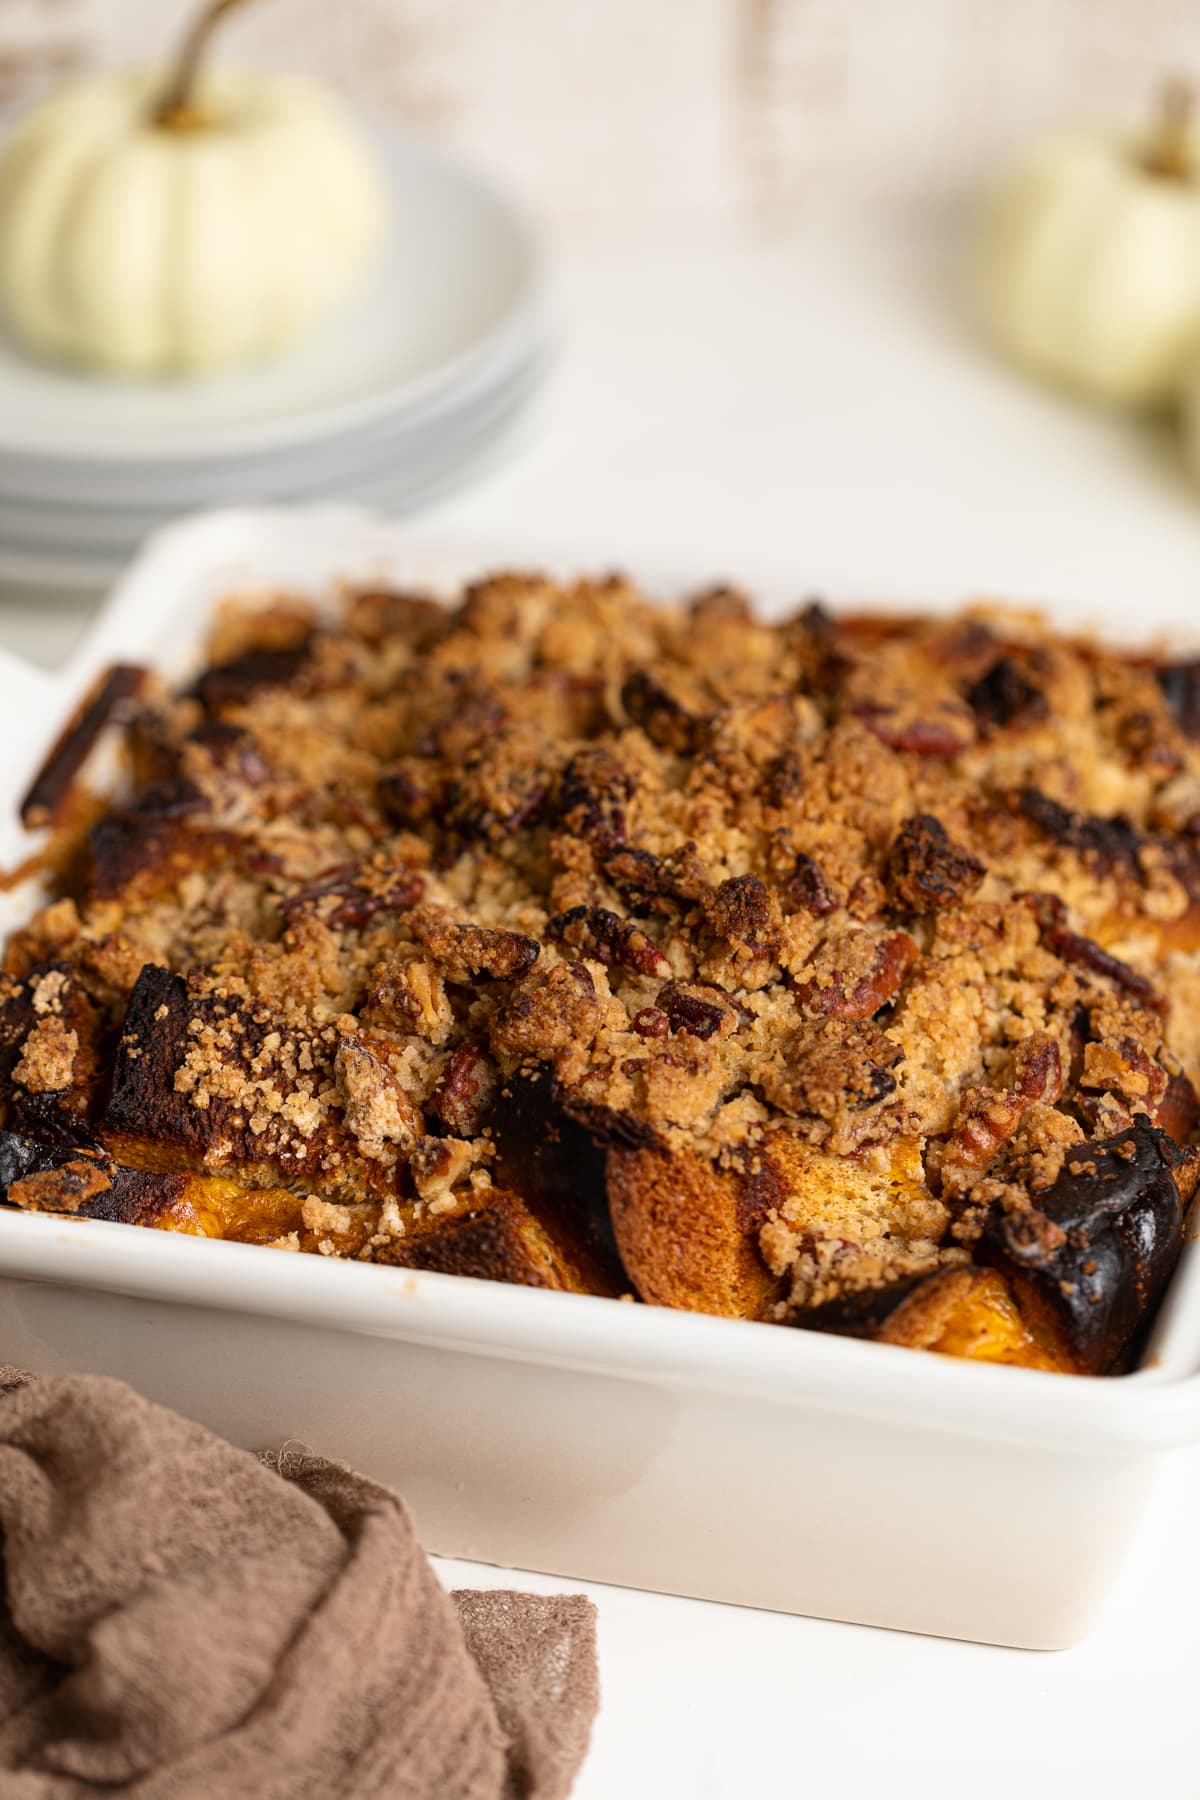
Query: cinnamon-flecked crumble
x=562, y=937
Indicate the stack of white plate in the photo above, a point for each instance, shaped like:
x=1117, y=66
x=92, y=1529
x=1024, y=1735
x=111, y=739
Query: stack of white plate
x=412, y=390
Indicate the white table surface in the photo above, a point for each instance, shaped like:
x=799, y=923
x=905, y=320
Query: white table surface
x=822, y=410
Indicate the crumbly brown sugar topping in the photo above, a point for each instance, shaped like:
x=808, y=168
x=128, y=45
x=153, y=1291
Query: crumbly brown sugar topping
x=818, y=944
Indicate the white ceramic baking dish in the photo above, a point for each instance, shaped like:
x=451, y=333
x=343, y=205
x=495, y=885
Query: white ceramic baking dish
x=699, y=1456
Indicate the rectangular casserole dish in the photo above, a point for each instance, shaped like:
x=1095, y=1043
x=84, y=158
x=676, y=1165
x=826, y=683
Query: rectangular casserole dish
x=710, y=1457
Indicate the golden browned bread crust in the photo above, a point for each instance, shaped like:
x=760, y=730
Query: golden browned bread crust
x=562, y=937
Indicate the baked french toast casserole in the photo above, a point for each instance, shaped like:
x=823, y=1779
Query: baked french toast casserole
x=839, y=972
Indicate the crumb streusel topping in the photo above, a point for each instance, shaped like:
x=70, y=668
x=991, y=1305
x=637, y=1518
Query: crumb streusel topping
x=839, y=937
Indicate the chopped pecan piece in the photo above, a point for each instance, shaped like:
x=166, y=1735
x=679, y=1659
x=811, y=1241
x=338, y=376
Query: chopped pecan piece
x=349, y=897
x=940, y=734
x=494, y=794
x=595, y=932
x=927, y=870
x=377, y=1110
x=834, y=1067
x=466, y=1092
x=413, y=996
x=1083, y=953
x=232, y=749
x=743, y=911
x=378, y=614
x=467, y=953
x=408, y=792
x=658, y=883
x=555, y=1020
x=230, y=683
x=989, y=1116
x=807, y=888
x=437, y=1166
x=1003, y=696
x=702, y=1009
x=593, y=794
x=785, y=780
x=651, y=1022
x=856, y=973
x=1113, y=844
x=664, y=719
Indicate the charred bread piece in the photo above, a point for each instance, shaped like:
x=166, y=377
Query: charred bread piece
x=1089, y=1256
x=841, y=973
x=500, y=1241
x=961, y=1311
x=53, y=785
x=89, y=1184
x=212, y=1081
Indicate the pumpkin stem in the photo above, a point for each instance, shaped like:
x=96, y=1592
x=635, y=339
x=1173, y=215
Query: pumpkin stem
x=175, y=110
x=1169, y=153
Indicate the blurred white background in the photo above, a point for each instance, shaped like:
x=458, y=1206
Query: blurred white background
x=675, y=111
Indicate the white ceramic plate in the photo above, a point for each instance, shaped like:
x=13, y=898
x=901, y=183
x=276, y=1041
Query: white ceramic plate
x=396, y=458
x=461, y=286
x=55, y=563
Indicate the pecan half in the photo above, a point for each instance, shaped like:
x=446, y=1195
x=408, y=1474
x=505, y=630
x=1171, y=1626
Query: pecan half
x=858, y=973
x=702, y=1009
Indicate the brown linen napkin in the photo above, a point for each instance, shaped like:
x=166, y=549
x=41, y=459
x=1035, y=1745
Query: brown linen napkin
x=185, y=1621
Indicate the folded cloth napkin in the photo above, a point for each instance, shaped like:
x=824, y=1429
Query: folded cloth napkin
x=185, y=1621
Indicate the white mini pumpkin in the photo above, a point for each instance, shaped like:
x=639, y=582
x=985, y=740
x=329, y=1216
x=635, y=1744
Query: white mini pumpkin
x=1091, y=262
x=133, y=244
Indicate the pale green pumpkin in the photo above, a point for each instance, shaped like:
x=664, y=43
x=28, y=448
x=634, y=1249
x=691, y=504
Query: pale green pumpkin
x=1091, y=262
x=148, y=242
